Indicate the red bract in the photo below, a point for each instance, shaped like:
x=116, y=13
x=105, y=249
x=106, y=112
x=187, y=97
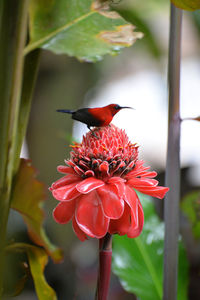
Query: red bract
x=98, y=190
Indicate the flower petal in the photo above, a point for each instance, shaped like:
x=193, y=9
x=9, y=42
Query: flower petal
x=80, y=234
x=88, y=185
x=138, y=170
x=66, y=193
x=116, y=180
x=119, y=184
x=121, y=225
x=78, y=170
x=149, y=174
x=132, y=200
x=158, y=191
x=89, y=173
x=104, y=168
x=131, y=222
x=65, y=170
x=90, y=217
x=64, y=212
x=64, y=181
x=70, y=163
x=113, y=206
x=134, y=232
x=142, y=182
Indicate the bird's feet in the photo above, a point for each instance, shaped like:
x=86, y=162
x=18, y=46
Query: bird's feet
x=93, y=133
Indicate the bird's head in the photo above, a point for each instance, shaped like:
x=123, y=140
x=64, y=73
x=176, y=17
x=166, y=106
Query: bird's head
x=114, y=108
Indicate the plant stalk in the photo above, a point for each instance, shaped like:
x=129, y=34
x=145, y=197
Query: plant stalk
x=105, y=262
x=31, y=66
x=171, y=204
x=13, y=34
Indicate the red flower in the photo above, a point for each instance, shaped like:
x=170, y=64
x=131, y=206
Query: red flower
x=98, y=189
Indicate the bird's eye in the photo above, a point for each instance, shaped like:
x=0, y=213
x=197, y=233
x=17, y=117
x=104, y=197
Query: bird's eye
x=117, y=107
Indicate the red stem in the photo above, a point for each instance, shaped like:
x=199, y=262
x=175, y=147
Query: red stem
x=105, y=261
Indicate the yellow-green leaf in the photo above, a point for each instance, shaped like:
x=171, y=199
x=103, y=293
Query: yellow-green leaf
x=37, y=259
x=187, y=4
x=85, y=29
x=27, y=198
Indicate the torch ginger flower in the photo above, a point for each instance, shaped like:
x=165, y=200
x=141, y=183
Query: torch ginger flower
x=98, y=189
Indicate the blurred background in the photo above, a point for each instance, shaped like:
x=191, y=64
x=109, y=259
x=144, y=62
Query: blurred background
x=136, y=78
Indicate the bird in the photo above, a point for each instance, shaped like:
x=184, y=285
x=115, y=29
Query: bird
x=95, y=117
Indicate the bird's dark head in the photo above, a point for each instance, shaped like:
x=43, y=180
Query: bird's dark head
x=114, y=108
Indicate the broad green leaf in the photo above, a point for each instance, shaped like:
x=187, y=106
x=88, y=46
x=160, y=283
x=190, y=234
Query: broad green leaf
x=139, y=262
x=27, y=198
x=191, y=208
x=187, y=4
x=38, y=259
x=85, y=29
x=137, y=17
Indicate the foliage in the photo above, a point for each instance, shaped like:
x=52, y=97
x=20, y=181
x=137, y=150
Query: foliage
x=139, y=262
x=27, y=198
x=87, y=30
x=187, y=4
x=191, y=208
x=84, y=29
x=37, y=259
x=137, y=18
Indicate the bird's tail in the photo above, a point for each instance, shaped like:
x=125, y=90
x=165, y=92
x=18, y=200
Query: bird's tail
x=68, y=111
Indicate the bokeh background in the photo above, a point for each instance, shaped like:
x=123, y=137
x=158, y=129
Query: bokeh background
x=136, y=78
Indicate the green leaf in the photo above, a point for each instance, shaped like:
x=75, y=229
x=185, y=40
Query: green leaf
x=187, y=4
x=84, y=29
x=191, y=208
x=22, y=281
x=27, y=198
x=137, y=17
x=139, y=262
x=38, y=259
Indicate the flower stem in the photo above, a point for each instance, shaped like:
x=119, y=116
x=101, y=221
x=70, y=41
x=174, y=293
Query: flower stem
x=13, y=33
x=105, y=261
x=171, y=205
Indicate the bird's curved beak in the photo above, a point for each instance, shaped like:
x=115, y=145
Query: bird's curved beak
x=126, y=107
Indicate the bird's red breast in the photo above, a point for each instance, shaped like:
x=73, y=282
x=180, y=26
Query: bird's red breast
x=104, y=114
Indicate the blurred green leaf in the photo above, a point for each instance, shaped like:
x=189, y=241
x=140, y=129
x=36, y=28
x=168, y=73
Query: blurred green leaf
x=191, y=208
x=38, y=259
x=136, y=18
x=85, y=29
x=20, y=285
x=196, y=19
x=27, y=198
x=22, y=281
x=139, y=262
x=187, y=4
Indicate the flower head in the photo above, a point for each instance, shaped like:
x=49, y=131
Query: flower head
x=98, y=189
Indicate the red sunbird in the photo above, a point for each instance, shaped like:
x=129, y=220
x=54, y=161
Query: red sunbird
x=98, y=117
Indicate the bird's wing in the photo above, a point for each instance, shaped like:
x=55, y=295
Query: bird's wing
x=83, y=115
